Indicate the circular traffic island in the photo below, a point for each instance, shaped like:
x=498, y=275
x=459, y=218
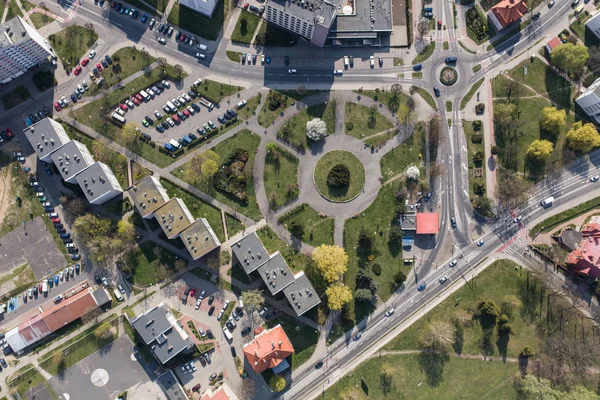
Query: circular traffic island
x=448, y=76
x=339, y=176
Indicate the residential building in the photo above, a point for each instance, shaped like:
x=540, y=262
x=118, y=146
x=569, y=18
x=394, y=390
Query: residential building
x=204, y=7
x=71, y=159
x=552, y=44
x=21, y=49
x=269, y=350
x=224, y=392
x=593, y=25
x=199, y=238
x=174, y=217
x=148, y=195
x=428, y=223
x=160, y=330
x=252, y=257
x=589, y=101
x=46, y=136
x=170, y=385
x=507, y=12
x=56, y=316
x=98, y=183
x=585, y=260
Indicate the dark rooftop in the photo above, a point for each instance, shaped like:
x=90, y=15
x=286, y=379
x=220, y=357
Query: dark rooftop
x=250, y=252
x=276, y=274
x=320, y=11
x=301, y=294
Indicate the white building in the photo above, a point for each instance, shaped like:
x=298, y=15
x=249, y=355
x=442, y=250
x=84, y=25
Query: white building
x=98, y=183
x=71, y=159
x=21, y=48
x=204, y=7
x=46, y=137
x=589, y=101
x=594, y=25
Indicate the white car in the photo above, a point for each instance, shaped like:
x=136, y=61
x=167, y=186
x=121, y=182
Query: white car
x=220, y=315
x=517, y=219
x=443, y=279
x=170, y=122
x=80, y=88
x=162, y=40
x=166, y=84
x=198, y=302
x=70, y=245
x=183, y=369
x=338, y=72
x=225, y=305
x=191, y=110
x=201, y=332
x=129, y=103
x=39, y=194
x=203, y=292
x=480, y=243
x=65, y=101
x=262, y=59
x=389, y=312
x=52, y=215
x=453, y=263
x=187, y=97
x=292, y=71
x=249, y=59
x=92, y=54
x=594, y=178
x=372, y=61
x=46, y=204
x=85, y=86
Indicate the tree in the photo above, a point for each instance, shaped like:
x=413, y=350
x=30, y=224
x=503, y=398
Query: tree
x=395, y=234
x=511, y=188
x=478, y=157
x=253, y=300
x=386, y=384
x=363, y=295
x=438, y=336
x=297, y=230
x=553, y=119
x=489, y=311
x=531, y=387
x=338, y=176
x=527, y=352
x=540, y=150
x=503, y=113
x=271, y=148
x=436, y=170
x=179, y=70
x=423, y=28
x=316, y=129
x=504, y=325
x=331, y=261
x=405, y=114
x=130, y=134
x=495, y=150
x=413, y=172
x=248, y=389
x=277, y=383
x=209, y=168
x=413, y=89
x=582, y=138
x=200, y=169
x=570, y=58
x=75, y=206
x=301, y=90
x=396, y=89
x=399, y=278
x=89, y=227
x=338, y=294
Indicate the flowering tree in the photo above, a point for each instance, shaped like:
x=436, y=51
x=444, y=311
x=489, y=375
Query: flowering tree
x=316, y=129
x=413, y=172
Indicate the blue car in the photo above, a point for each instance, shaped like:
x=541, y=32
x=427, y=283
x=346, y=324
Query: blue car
x=56, y=279
x=268, y=60
x=65, y=235
x=422, y=287
x=144, y=18
x=73, y=98
x=417, y=67
x=48, y=171
x=75, y=257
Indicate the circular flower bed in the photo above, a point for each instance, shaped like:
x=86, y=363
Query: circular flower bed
x=339, y=176
x=448, y=76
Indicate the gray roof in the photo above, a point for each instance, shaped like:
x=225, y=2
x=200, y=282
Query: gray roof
x=46, y=136
x=250, y=252
x=101, y=296
x=322, y=13
x=157, y=331
x=14, y=31
x=361, y=21
x=148, y=195
x=571, y=238
x=71, y=159
x=169, y=384
x=408, y=220
x=199, y=238
x=301, y=294
x=276, y=274
x=97, y=180
x=174, y=217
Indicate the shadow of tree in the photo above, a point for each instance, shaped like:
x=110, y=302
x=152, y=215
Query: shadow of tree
x=432, y=363
x=502, y=344
x=459, y=338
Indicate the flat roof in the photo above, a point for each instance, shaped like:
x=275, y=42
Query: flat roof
x=369, y=15
x=276, y=274
x=46, y=136
x=428, y=223
x=301, y=294
x=170, y=385
x=174, y=217
x=199, y=238
x=148, y=195
x=71, y=159
x=318, y=11
x=97, y=180
x=250, y=252
x=408, y=220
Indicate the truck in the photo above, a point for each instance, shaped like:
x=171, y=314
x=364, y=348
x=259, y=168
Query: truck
x=118, y=118
x=171, y=106
x=227, y=334
x=206, y=103
x=547, y=202
x=174, y=143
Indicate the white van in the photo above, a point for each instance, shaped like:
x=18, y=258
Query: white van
x=200, y=56
x=548, y=202
x=118, y=117
x=227, y=334
x=346, y=62
x=145, y=95
x=241, y=104
x=174, y=143
x=120, y=112
x=202, y=47
x=99, y=81
x=118, y=294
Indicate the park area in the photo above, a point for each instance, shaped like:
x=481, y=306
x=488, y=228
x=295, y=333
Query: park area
x=294, y=131
x=316, y=229
x=281, y=176
x=72, y=43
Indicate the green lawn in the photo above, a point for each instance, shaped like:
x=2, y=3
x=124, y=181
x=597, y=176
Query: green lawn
x=425, y=54
x=198, y=24
x=126, y=62
x=139, y=172
x=216, y=91
x=32, y=384
x=325, y=165
x=473, y=148
x=375, y=220
x=234, y=56
x=44, y=80
x=281, y=178
x=271, y=35
x=364, y=121
x=40, y=20
x=15, y=97
x=317, y=230
x=423, y=377
x=294, y=131
x=234, y=225
x=198, y=207
x=408, y=153
x=470, y=93
x=243, y=32
x=13, y=10
x=473, y=35
x=250, y=108
x=276, y=102
x=150, y=264
x=303, y=337
x=249, y=141
x=92, y=114
x=501, y=85
x=22, y=278
x=72, y=43
x=380, y=139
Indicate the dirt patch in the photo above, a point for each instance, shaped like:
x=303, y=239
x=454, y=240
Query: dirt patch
x=5, y=198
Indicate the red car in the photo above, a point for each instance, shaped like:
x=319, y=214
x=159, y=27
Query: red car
x=139, y=97
x=192, y=292
x=136, y=101
x=246, y=6
x=85, y=61
x=77, y=70
x=439, y=24
x=186, y=113
x=56, y=220
x=182, y=37
x=40, y=287
x=123, y=107
x=99, y=66
x=9, y=133
x=196, y=388
x=56, y=106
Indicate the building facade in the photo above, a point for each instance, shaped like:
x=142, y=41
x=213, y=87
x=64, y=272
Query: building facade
x=204, y=7
x=593, y=25
x=589, y=101
x=21, y=48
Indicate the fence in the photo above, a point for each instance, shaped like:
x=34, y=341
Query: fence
x=23, y=374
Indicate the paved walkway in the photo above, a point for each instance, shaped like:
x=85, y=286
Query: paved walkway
x=546, y=238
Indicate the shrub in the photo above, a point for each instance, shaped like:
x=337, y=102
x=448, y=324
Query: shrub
x=480, y=108
x=477, y=125
x=231, y=177
x=376, y=269
x=476, y=23
x=350, y=126
x=339, y=176
x=476, y=139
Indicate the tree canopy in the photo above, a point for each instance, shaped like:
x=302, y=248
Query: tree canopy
x=130, y=134
x=316, y=129
x=583, y=138
x=338, y=294
x=570, y=58
x=553, y=119
x=277, y=383
x=331, y=261
x=203, y=166
x=540, y=150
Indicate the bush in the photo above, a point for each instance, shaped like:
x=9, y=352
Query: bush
x=231, y=177
x=376, y=269
x=478, y=188
x=350, y=126
x=339, y=176
x=476, y=139
x=477, y=125
x=476, y=23
x=480, y=108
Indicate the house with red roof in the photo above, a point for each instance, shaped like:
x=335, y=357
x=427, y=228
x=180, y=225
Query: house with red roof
x=585, y=260
x=552, y=44
x=269, y=350
x=506, y=12
x=428, y=223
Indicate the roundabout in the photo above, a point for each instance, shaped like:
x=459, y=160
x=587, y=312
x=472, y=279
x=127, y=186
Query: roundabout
x=339, y=176
x=448, y=75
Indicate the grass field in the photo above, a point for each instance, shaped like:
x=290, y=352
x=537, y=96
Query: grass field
x=197, y=207
x=324, y=166
x=501, y=83
x=281, y=178
x=249, y=141
x=243, y=32
x=407, y=154
x=72, y=43
x=416, y=376
x=267, y=116
x=473, y=148
x=13, y=10
x=234, y=56
x=250, y=108
x=15, y=97
x=40, y=20
x=234, y=225
x=470, y=93
x=32, y=382
x=139, y=172
x=380, y=139
x=294, y=130
x=317, y=230
x=198, y=24
x=425, y=54
x=216, y=91
x=303, y=337
x=427, y=97
x=150, y=264
x=364, y=121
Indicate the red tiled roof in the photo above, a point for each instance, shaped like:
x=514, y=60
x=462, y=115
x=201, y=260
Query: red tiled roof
x=591, y=229
x=268, y=349
x=555, y=42
x=218, y=395
x=428, y=223
x=67, y=310
x=585, y=260
x=509, y=11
